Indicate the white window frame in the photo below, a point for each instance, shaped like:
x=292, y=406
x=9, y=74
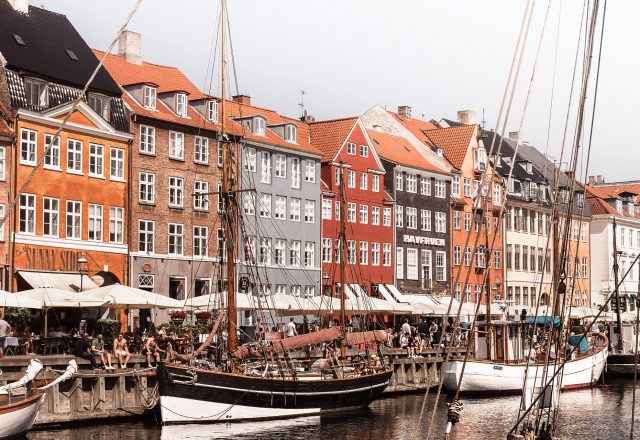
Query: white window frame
x=425, y=185
x=309, y=211
x=441, y=222
x=280, y=211
x=52, y=158
x=149, y=97
x=250, y=159
x=327, y=209
x=294, y=253
x=146, y=187
x=116, y=224
x=386, y=216
x=146, y=235
x=364, y=214
x=249, y=203
x=351, y=178
x=399, y=216
x=176, y=145
x=27, y=214
x=200, y=241
x=425, y=219
x=147, y=139
x=412, y=183
x=295, y=206
x=295, y=172
x=363, y=253
x=265, y=167
x=51, y=216
x=375, y=215
x=375, y=183
x=96, y=160
x=375, y=254
x=265, y=205
x=386, y=254
x=364, y=180
x=74, y=156
x=327, y=250
x=176, y=192
x=440, y=191
x=310, y=171
x=181, y=104
x=309, y=254
x=116, y=164
x=281, y=166
x=259, y=126
x=400, y=263
x=413, y=272
x=95, y=225
x=291, y=133
x=351, y=148
x=73, y=220
x=201, y=150
x=175, y=239
x=200, y=195
x=279, y=252
x=412, y=217
x=441, y=266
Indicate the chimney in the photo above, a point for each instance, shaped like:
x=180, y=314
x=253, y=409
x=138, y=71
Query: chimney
x=20, y=5
x=242, y=99
x=129, y=46
x=405, y=111
x=591, y=180
x=599, y=178
x=513, y=135
x=307, y=118
x=466, y=117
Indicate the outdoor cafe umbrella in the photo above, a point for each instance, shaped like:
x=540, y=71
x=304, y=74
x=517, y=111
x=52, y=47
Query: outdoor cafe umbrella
x=117, y=295
x=49, y=297
x=8, y=299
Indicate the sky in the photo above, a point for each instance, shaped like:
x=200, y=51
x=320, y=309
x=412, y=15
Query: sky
x=435, y=56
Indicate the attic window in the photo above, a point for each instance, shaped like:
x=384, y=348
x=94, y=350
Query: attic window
x=291, y=133
x=19, y=40
x=149, y=97
x=36, y=92
x=212, y=111
x=259, y=125
x=100, y=104
x=181, y=104
x=72, y=55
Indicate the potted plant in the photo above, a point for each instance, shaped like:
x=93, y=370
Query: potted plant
x=203, y=316
x=178, y=316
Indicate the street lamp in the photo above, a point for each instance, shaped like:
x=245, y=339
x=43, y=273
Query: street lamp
x=82, y=263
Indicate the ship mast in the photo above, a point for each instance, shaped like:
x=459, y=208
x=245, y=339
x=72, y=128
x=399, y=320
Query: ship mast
x=619, y=345
x=344, y=252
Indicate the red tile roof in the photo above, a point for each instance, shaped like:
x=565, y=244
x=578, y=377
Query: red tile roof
x=453, y=141
x=329, y=136
x=415, y=126
x=399, y=150
x=596, y=196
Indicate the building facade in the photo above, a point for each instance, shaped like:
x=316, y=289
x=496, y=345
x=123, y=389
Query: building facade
x=7, y=144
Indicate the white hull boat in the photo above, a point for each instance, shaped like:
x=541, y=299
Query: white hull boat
x=17, y=415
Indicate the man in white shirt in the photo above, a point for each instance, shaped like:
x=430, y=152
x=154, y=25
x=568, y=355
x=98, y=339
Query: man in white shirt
x=5, y=330
x=290, y=329
x=406, y=328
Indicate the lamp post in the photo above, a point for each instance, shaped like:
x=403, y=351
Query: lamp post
x=82, y=264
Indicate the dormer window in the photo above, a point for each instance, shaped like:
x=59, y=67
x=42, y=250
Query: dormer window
x=36, y=92
x=619, y=206
x=580, y=199
x=529, y=167
x=149, y=97
x=181, y=104
x=631, y=208
x=291, y=133
x=259, y=125
x=212, y=111
x=100, y=105
x=480, y=159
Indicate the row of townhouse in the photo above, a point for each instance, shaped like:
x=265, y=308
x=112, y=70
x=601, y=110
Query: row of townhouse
x=129, y=190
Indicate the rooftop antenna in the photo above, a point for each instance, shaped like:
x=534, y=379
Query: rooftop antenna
x=423, y=115
x=301, y=103
x=483, y=122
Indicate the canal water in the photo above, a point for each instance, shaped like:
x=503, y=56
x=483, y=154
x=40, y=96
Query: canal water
x=599, y=413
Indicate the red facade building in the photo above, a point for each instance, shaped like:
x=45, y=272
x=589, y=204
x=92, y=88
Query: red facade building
x=349, y=154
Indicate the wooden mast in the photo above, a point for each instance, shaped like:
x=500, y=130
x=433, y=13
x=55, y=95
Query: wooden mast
x=615, y=286
x=344, y=256
x=228, y=195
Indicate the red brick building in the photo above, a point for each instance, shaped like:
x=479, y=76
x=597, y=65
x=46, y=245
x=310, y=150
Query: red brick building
x=348, y=152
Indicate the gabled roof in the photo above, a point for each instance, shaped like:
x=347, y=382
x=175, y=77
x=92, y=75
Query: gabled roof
x=415, y=126
x=399, y=150
x=329, y=136
x=453, y=141
x=47, y=36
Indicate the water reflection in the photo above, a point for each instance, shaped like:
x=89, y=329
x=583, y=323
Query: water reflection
x=599, y=413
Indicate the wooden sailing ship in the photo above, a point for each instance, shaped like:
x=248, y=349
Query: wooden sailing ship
x=20, y=403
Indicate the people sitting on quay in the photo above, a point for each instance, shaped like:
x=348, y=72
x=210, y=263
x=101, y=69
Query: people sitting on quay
x=121, y=351
x=153, y=350
x=97, y=347
x=83, y=349
x=5, y=330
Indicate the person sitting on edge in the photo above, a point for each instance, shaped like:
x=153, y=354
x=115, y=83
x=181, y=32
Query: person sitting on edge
x=97, y=346
x=290, y=328
x=121, y=351
x=83, y=349
x=5, y=330
x=151, y=349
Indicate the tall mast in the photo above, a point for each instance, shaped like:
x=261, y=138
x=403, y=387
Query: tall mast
x=616, y=292
x=228, y=183
x=343, y=245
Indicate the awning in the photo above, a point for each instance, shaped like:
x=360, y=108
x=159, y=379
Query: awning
x=59, y=280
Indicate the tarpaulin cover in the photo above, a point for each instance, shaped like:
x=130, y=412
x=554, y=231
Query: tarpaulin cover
x=313, y=338
x=364, y=337
x=579, y=341
x=543, y=320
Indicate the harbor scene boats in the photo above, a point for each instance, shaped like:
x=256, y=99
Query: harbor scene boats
x=184, y=261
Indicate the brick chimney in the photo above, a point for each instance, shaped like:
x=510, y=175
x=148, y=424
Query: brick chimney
x=405, y=111
x=466, y=117
x=20, y=5
x=242, y=99
x=513, y=135
x=129, y=46
x=306, y=117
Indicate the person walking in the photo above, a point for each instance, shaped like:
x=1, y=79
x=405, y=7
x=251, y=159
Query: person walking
x=290, y=329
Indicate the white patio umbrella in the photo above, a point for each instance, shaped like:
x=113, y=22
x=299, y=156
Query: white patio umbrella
x=213, y=300
x=8, y=299
x=117, y=295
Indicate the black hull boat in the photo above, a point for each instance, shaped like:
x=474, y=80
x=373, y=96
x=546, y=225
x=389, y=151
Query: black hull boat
x=190, y=395
x=621, y=364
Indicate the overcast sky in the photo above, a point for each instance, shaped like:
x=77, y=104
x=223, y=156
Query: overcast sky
x=436, y=56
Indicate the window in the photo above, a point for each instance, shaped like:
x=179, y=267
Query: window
x=467, y=293
x=458, y=292
x=386, y=254
x=525, y=257
x=364, y=214
x=466, y=183
x=147, y=186
x=351, y=251
x=399, y=216
x=351, y=148
x=222, y=251
x=467, y=221
x=441, y=264
x=250, y=159
x=250, y=250
x=201, y=150
x=309, y=211
x=51, y=158
x=310, y=171
x=212, y=111
x=457, y=255
x=74, y=156
x=74, y=220
x=467, y=256
x=412, y=264
x=281, y=165
x=309, y=291
x=264, y=255
x=149, y=97
x=425, y=264
x=351, y=212
x=295, y=291
x=375, y=215
x=146, y=233
x=309, y=254
x=176, y=191
x=481, y=261
x=456, y=220
x=294, y=253
x=364, y=181
x=364, y=150
x=295, y=172
x=281, y=208
x=116, y=224
x=412, y=183
x=532, y=221
x=181, y=104
x=532, y=259
x=265, y=205
x=441, y=222
x=291, y=133
x=412, y=218
x=95, y=222
x=364, y=252
x=36, y=92
x=278, y=251
x=351, y=178
x=455, y=185
x=265, y=167
x=477, y=291
x=147, y=139
x=585, y=267
x=338, y=175
x=400, y=263
x=525, y=220
x=294, y=210
x=176, y=239
x=96, y=160
x=327, y=250
x=440, y=192
x=386, y=216
x=375, y=254
x=399, y=181
x=516, y=263
x=327, y=209
x=176, y=145
x=50, y=217
x=375, y=183
x=338, y=251
x=497, y=196
x=425, y=186
x=583, y=233
x=200, y=195
x=117, y=164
